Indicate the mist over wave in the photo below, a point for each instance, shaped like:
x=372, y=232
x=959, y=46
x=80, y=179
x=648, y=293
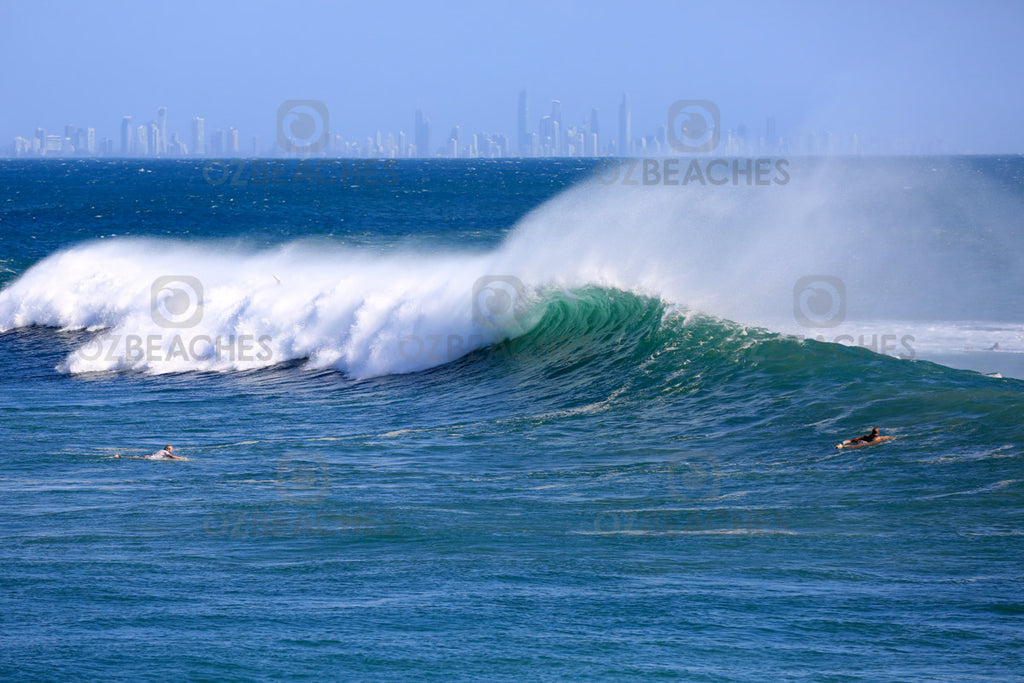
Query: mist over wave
x=905, y=241
x=916, y=239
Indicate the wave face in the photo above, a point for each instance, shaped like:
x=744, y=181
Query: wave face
x=170, y=305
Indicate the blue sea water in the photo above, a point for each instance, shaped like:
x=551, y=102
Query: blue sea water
x=507, y=420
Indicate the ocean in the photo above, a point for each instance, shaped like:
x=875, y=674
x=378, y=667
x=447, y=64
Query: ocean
x=512, y=420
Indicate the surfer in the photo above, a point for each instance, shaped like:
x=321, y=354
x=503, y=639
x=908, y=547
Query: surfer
x=167, y=453
x=872, y=437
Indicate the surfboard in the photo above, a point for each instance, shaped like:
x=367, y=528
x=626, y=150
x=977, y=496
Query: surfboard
x=861, y=444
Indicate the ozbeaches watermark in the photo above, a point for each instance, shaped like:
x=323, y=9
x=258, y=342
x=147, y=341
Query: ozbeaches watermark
x=303, y=132
x=272, y=523
x=158, y=348
x=499, y=301
x=820, y=304
x=499, y=308
x=176, y=306
x=304, y=508
x=285, y=172
x=726, y=520
x=303, y=126
x=692, y=488
x=694, y=127
x=696, y=171
x=498, y=305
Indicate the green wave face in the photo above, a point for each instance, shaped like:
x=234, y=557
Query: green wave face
x=710, y=374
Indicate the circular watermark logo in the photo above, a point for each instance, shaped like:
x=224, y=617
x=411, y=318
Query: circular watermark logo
x=302, y=477
x=303, y=126
x=819, y=301
x=694, y=126
x=499, y=300
x=693, y=476
x=176, y=301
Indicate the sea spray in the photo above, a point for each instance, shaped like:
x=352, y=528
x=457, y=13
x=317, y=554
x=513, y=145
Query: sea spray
x=737, y=253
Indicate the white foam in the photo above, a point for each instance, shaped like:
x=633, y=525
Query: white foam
x=734, y=252
x=338, y=308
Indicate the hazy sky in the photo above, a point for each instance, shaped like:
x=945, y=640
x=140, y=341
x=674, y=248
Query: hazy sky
x=920, y=71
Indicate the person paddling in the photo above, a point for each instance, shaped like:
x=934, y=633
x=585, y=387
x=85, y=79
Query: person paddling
x=868, y=438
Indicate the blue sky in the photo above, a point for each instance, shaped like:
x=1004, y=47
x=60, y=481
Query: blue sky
x=916, y=71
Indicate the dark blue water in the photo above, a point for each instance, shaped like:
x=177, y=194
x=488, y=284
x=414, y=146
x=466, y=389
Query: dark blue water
x=604, y=484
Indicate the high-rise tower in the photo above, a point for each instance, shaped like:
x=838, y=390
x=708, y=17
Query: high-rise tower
x=198, y=136
x=422, y=134
x=126, y=136
x=523, y=131
x=161, y=123
x=625, y=126
x=558, y=134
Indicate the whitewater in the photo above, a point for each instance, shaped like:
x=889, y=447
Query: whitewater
x=911, y=289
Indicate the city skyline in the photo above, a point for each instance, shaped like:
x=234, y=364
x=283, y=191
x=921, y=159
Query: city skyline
x=546, y=133
x=913, y=76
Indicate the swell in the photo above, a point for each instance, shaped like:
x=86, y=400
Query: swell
x=639, y=363
x=737, y=253
x=598, y=350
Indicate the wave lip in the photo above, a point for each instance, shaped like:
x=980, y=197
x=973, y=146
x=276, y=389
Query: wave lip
x=169, y=307
x=162, y=307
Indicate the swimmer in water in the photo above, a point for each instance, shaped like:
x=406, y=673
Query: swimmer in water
x=166, y=454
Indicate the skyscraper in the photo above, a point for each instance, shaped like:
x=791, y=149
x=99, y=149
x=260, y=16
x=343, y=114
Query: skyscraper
x=161, y=123
x=54, y=144
x=422, y=134
x=546, y=128
x=155, y=143
x=141, y=143
x=595, y=130
x=558, y=136
x=217, y=143
x=175, y=147
x=523, y=138
x=84, y=140
x=126, y=136
x=625, y=126
x=198, y=136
